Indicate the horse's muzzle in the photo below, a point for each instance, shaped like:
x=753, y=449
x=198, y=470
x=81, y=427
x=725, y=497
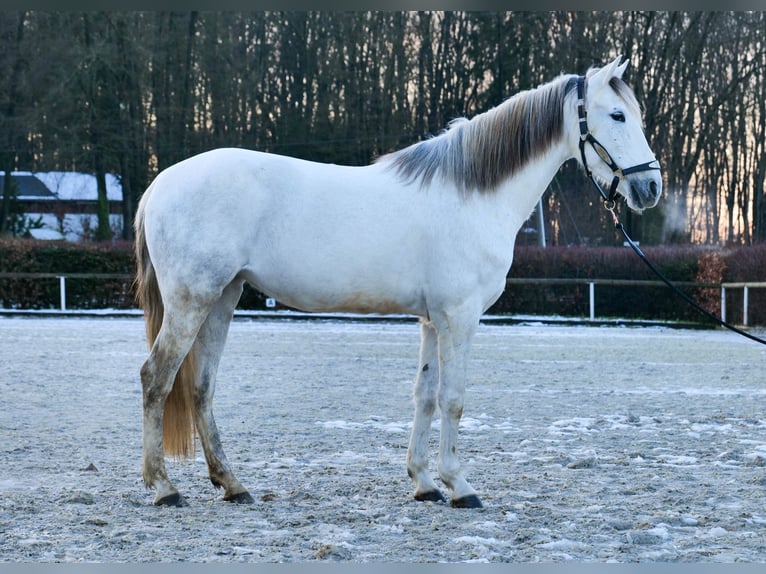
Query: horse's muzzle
x=645, y=192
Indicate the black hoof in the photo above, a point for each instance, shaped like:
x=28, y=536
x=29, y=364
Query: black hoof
x=470, y=501
x=431, y=496
x=240, y=498
x=174, y=499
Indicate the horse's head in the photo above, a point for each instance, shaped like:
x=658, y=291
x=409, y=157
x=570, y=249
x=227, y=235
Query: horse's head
x=612, y=142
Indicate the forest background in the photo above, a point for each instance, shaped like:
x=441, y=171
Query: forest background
x=131, y=93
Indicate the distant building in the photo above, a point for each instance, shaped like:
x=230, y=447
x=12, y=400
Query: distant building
x=65, y=203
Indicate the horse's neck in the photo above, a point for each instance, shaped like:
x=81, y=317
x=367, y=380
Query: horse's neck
x=519, y=195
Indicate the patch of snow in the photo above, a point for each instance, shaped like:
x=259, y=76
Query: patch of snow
x=563, y=544
x=79, y=186
x=679, y=460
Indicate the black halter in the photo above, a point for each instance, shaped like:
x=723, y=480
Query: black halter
x=586, y=137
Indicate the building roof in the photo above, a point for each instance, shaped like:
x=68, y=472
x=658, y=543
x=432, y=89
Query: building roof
x=27, y=187
x=61, y=185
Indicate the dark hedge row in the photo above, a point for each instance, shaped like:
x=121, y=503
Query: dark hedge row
x=29, y=256
x=637, y=302
x=687, y=264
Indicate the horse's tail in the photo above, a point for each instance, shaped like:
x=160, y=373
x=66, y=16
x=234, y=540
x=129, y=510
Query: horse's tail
x=178, y=430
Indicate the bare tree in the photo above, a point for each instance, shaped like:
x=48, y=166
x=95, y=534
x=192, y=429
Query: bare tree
x=132, y=92
x=11, y=36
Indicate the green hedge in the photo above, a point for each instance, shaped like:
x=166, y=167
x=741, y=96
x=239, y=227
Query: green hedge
x=698, y=264
x=30, y=256
x=688, y=264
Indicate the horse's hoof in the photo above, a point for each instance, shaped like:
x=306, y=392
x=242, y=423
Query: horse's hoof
x=431, y=496
x=240, y=498
x=174, y=499
x=470, y=501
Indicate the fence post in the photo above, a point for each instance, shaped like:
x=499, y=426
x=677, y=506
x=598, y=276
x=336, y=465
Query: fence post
x=592, y=297
x=62, y=292
x=723, y=303
x=744, y=306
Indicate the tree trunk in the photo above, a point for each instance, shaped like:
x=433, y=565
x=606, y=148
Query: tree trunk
x=8, y=163
x=127, y=199
x=104, y=229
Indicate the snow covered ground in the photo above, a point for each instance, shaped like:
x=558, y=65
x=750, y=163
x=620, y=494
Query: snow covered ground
x=585, y=444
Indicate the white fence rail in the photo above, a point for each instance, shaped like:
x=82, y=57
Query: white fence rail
x=591, y=283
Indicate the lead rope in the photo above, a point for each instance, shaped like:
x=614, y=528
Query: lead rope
x=621, y=228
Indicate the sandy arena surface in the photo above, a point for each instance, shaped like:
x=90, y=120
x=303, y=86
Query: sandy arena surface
x=585, y=444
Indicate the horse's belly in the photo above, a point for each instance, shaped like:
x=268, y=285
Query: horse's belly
x=322, y=293
x=362, y=303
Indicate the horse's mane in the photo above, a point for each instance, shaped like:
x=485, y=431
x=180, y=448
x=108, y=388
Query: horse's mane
x=478, y=154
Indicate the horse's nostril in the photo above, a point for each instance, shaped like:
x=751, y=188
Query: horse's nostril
x=653, y=188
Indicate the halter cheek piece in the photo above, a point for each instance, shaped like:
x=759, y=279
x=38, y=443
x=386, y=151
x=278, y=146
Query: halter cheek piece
x=586, y=137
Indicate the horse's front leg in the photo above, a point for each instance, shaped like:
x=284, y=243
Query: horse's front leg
x=426, y=385
x=454, y=350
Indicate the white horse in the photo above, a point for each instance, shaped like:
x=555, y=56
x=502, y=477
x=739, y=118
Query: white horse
x=428, y=230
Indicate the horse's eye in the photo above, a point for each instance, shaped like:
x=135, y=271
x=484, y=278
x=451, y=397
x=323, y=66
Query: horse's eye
x=618, y=116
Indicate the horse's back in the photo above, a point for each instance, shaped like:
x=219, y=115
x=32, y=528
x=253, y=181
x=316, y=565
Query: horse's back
x=316, y=236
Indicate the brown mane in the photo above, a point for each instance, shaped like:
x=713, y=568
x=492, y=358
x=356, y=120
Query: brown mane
x=478, y=154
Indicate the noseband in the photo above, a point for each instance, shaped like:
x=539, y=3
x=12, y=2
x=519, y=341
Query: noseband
x=586, y=137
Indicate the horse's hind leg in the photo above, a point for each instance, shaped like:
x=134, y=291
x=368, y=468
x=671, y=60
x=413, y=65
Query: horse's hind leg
x=208, y=350
x=426, y=385
x=173, y=342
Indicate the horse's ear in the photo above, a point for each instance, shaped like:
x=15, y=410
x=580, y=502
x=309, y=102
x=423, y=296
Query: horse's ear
x=620, y=69
x=601, y=77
